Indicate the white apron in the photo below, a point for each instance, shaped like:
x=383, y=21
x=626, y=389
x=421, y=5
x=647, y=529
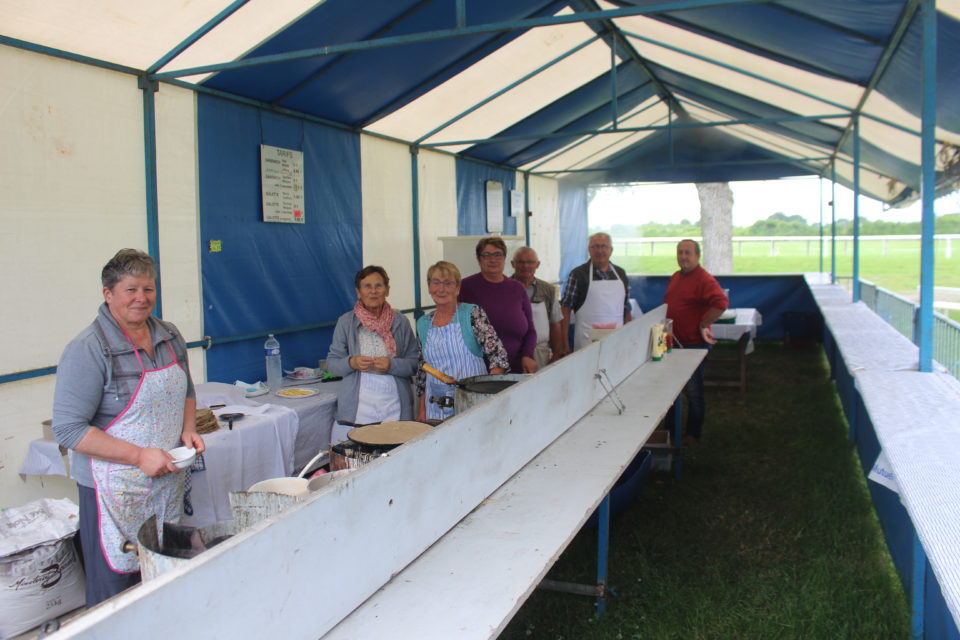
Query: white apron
x=126, y=496
x=379, y=400
x=446, y=351
x=604, y=304
x=541, y=323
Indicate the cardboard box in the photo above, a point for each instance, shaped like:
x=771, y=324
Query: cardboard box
x=660, y=447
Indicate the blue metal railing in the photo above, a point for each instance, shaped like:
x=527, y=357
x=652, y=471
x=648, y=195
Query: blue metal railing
x=896, y=310
x=902, y=314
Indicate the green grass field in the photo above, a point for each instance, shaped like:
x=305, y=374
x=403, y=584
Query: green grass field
x=895, y=266
x=769, y=534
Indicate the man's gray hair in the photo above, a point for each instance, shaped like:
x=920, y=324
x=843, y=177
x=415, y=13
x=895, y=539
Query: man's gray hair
x=524, y=249
x=127, y=262
x=597, y=234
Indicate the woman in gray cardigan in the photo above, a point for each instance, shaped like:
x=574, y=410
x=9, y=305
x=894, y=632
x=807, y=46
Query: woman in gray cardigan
x=375, y=351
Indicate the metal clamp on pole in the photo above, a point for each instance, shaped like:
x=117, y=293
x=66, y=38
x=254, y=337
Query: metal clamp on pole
x=608, y=387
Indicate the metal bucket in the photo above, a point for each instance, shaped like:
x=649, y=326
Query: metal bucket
x=473, y=391
x=153, y=561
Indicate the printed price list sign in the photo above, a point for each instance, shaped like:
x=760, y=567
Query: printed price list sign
x=281, y=179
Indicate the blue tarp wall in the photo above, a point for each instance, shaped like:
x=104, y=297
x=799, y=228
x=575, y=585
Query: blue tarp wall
x=472, y=198
x=772, y=296
x=272, y=276
x=573, y=226
x=284, y=277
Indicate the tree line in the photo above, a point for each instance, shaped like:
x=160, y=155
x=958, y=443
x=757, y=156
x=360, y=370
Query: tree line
x=780, y=224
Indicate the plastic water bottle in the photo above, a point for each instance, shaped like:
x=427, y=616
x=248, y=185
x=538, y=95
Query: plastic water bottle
x=274, y=371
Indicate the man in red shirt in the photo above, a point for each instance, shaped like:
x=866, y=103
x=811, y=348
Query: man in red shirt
x=694, y=302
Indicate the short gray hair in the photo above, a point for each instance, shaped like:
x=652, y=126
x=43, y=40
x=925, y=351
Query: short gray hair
x=597, y=235
x=127, y=262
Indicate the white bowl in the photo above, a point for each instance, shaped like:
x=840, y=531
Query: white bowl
x=318, y=482
x=183, y=457
x=296, y=487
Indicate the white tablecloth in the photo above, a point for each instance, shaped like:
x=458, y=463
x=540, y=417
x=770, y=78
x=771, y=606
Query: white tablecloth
x=278, y=443
x=44, y=459
x=259, y=447
x=315, y=414
x=746, y=321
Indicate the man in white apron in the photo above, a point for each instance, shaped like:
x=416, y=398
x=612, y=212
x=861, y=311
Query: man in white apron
x=543, y=302
x=597, y=292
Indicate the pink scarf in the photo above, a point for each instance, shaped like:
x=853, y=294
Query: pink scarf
x=378, y=324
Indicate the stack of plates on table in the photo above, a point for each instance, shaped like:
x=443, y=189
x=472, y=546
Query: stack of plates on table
x=206, y=421
x=727, y=317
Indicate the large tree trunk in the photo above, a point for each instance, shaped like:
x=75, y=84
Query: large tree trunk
x=716, y=224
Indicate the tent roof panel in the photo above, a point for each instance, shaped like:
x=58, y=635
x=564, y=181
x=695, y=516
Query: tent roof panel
x=520, y=58
x=722, y=60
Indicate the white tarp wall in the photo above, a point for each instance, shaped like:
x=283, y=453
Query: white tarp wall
x=72, y=175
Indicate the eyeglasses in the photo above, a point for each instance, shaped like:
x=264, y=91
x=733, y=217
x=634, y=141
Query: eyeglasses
x=526, y=261
x=443, y=283
x=599, y=246
x=372, y=287
x=492, y=254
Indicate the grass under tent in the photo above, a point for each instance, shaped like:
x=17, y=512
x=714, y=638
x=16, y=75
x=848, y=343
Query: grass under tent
x=770, y=534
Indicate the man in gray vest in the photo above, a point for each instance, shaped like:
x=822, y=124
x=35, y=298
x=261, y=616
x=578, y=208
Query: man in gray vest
x=543, y=301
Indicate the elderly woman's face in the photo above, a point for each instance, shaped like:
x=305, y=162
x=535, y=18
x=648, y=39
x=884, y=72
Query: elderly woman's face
x=132, y=299
x=443, y=288
x=492, y=260
x=373, y=292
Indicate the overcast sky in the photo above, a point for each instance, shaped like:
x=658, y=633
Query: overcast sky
x=752, y=201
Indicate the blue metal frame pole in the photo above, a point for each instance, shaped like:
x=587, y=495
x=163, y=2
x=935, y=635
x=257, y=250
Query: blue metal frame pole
x=918, y=580
x=820, y=191
x=458, y=32
x=149, y=89
x=677, y=426
x=856, y=209
x=614, y=106
x=526, y=206
x=833, y=221
x=415, y=214
x=603, y=548
x=928, y=150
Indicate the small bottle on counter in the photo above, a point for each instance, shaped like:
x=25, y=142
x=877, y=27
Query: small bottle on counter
x=274, y=369
x=656, y=342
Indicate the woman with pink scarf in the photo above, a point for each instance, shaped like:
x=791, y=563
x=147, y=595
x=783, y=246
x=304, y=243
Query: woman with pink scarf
x=375, y=351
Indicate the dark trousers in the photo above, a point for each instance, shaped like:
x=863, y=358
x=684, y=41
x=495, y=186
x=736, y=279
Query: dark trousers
x=102, y=581
x=696, y=405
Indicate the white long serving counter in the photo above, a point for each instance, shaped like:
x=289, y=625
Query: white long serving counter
x=472, y=581
x=913, y=417
x=301, y=572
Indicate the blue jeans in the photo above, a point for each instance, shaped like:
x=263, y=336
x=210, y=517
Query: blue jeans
x=693, y=392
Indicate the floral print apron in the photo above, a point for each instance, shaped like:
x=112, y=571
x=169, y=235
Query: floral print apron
x=126, y=496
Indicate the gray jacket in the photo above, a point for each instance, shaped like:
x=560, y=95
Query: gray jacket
x=346, y=345
x=96, y=378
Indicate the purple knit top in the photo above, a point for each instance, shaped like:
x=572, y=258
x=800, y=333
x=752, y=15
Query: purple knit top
x=508, y=307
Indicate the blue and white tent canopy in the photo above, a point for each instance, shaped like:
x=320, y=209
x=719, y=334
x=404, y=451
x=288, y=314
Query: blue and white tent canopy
x=589, y=90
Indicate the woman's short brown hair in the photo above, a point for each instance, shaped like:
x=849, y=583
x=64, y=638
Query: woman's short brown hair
x=370, y=270
x=444, y=268
x=495, y=241
x=127, y=262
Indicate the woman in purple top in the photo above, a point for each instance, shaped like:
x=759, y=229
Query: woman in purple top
x=506, y=303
